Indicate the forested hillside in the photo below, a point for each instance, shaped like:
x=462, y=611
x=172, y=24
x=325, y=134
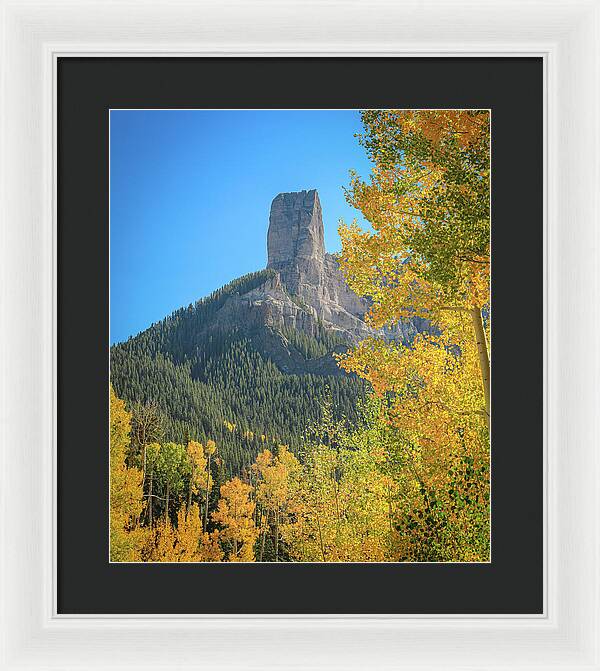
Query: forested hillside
x=207, y=383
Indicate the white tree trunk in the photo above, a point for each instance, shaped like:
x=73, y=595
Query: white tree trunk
x=484, y=359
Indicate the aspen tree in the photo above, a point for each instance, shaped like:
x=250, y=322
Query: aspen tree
x=126, y=493
x=235, y=516
x=428, y=202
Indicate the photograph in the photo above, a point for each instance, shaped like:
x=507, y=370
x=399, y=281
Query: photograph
x=300, y=335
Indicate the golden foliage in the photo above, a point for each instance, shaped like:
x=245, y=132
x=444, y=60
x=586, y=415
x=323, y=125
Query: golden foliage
x=200, y=477
x=126, y=495
x=235, y=515
x=341, y=509
x=428, y=205
x=185, y=542
x=428, y=255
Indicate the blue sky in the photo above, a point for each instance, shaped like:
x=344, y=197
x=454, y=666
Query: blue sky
x=190, y=193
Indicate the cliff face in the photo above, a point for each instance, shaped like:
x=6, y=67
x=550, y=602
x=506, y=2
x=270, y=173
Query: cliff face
x=296, y=251
x=295, y=245
x=306, y=291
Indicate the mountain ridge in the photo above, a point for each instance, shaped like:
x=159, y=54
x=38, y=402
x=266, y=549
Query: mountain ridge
x=257, y=353
x=305, y=289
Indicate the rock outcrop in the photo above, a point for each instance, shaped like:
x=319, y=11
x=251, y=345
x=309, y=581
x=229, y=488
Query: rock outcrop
x=296, y=252
x=305, y=291
x=295, y=243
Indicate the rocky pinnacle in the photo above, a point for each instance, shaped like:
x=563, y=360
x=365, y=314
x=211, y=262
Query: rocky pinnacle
x=295, y=245
x=307, y=291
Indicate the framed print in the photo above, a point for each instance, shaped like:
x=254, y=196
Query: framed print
x=301, y=336
x=267, y=422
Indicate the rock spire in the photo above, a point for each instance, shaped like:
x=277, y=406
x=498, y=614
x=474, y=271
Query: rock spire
x=295, y=245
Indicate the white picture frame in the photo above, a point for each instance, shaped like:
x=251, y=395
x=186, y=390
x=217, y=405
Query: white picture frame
x=566, y=34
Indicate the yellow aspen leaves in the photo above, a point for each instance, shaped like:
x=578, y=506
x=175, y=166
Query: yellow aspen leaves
x=234, y=514
x=126, y=495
